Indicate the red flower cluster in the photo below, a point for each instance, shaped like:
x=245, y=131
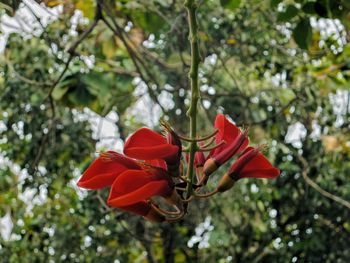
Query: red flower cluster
x=152, y=166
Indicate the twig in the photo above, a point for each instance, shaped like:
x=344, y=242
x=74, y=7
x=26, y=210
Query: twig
x=323, y=192
x=73, y=47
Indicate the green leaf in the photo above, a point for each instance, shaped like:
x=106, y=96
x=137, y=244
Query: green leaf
x=309, y=8
x=81, y=96
x=302, y=33
x=98, y=84
x=290, y=12
x=230, y=4
x=274, y=3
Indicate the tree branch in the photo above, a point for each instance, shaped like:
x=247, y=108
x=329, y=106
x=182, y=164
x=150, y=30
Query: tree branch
x=323, y=192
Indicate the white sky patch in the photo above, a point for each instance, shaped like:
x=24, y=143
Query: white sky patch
x=316, y=131
x=330, y=27
x=211, y=59
x=144, y=109
x=202, y=234
x=31, y=197
x=166, y=100
x=295, y=134
x=6, y=226
x=25, y=23
x=341, y=105
x=104, y=129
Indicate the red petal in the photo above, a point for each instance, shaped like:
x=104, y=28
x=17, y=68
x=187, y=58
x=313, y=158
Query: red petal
x=258, y=167
x=156, y=188
x=134, y=185
x=102, y=172
x=146, y=144
x=157, y=163
x=145, y=137
x=261, y=173
x=227, y=132
x=258, y=162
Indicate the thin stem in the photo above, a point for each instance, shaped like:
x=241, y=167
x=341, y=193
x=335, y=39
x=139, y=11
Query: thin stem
x=175, y=219
x=191, y=7
x=208, y=143
x=199, y=139
x=207, y=149
x=166, y=212
x=207, y=194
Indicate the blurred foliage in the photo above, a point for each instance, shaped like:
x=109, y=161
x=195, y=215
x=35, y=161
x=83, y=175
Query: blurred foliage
x=267, y=64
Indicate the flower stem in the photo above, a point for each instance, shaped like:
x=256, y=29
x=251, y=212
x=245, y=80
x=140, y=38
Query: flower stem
x=191, y=7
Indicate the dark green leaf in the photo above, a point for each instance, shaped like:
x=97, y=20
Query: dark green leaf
x=230, y=4
x=302, y=33
x=274, y=3
x=290, y=12
x=309, y=8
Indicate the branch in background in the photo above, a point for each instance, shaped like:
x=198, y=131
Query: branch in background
x=137, y=61
x=305, y=171
x=73, y=47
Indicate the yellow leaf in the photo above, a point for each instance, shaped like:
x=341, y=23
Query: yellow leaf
x=53, y=3
x=330, y=142
x=87, y=7
x=231, y=41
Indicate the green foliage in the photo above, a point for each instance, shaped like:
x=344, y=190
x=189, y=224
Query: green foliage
x=302, y=33
x=262, y=64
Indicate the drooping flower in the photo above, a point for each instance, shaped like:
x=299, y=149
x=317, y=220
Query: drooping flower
x=134, y=186
x=105, y=169
x=235, y=142
x=251, y=164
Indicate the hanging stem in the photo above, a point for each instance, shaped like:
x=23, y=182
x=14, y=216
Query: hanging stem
x=191, y=7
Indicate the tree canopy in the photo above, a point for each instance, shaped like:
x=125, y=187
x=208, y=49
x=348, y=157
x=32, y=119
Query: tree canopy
x=78, y=77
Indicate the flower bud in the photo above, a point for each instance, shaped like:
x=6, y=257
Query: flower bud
x=209, y=167
x=226, y=183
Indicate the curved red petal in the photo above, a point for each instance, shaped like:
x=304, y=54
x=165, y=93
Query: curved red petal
x=227, y=132
x=166, y=152
x=146, y=144
x=155, y=188
x=144, y=137
x=132, y=180
x=98, y=182
x=103, y=171
x=258, y=162
x=157, y=163
x=256, y=167
x=261, y=173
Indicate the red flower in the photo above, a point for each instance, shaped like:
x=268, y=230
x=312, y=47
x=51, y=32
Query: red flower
x=138, y=186
x=251, y=164
x=235, y=142
x=105, y=169
x=146, y=144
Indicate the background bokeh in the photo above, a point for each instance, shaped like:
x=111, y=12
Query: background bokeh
x=77, y=77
